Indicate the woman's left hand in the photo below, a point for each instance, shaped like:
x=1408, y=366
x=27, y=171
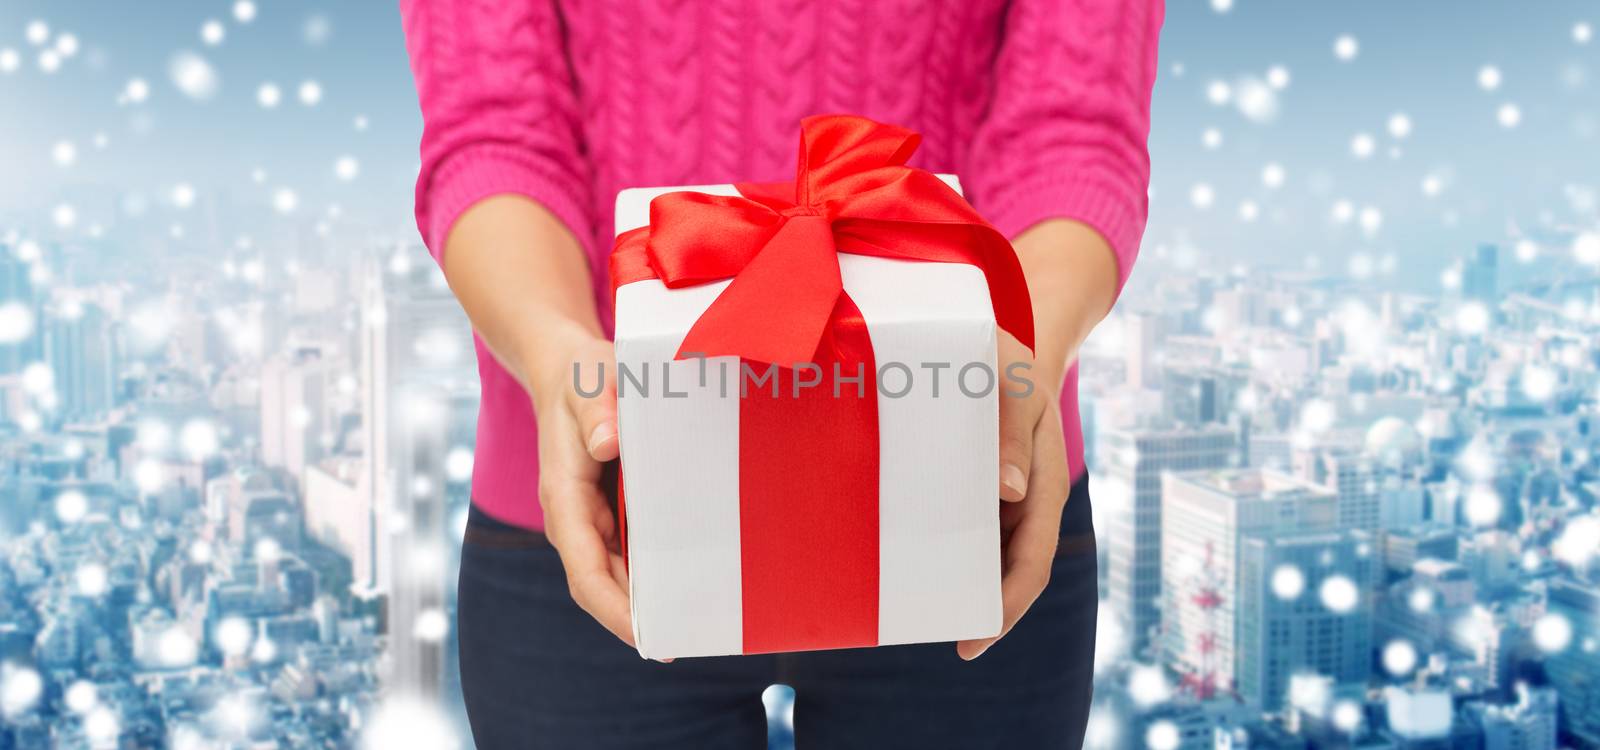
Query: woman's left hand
x=1034, y=483
x=1072, y=280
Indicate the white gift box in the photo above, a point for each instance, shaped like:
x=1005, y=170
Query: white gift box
x=938, y=511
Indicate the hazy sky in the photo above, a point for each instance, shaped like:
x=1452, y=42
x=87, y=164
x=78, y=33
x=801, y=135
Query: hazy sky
x=1421, y=60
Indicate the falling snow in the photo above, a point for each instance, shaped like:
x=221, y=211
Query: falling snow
x=193, y=76
x=1509, y=115
x=1345, y=48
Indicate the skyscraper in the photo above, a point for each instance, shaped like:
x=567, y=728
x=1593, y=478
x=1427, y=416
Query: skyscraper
x=1354, y=478
x=1528, y=724
x=81, y=347
x=18, y=293
x=1143, y=331
x=294, y=408
x=419, y=402
x=1136, y=458
x=1285, y=623
x=1205, y=518
x=1479, y=280
x=1575, y=671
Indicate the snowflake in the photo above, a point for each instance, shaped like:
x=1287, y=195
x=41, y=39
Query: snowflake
x=1272, y=175
x=101, y=726
x=1472, y=318
x=317, y=30
x=1288, y=582
x=64, y=153
x=1345, y=48
x=458, y=464
x=1552, y=633
x=1347, y=716
x=1489, y=78
x=1399, y=125
x=212, y=32
x=1586, y=248
x=1362, y=145
x=233, y=636
x=91, y=579
x=268, y=95
x=1399, y=657
x=1163, y=735
x=37, y=32
x=1339, y=594
x=176, y=648
x=81, y=697
x=284, y=200
x=1218, y=93
x=1509, y=115
x=1256, y=100
x=310, y=93
x=199, y=439
x=404, y=721
x=1278, y=77
x=1148, y=685
x=346, y=168
x=193, y=76
x=20, y=689
x=1538, y=382
x=1484, y=505
x=431, y=626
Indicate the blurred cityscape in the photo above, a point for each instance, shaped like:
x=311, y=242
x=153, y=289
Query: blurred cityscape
x=1333, y=515
x=1344, y=425
x=232, y=506
x=1329, y=514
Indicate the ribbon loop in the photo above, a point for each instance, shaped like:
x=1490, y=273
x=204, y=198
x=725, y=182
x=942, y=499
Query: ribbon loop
x=852, y=193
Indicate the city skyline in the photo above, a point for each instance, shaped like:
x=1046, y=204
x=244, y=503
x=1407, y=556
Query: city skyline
x=1343, y=425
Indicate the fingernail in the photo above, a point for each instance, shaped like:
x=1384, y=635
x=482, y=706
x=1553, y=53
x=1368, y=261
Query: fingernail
x=979, y=652
x=605, y=431
x=1012, y=478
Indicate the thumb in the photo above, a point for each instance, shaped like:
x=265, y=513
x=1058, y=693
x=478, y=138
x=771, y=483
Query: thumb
x=597, y=420
x=1018, y=416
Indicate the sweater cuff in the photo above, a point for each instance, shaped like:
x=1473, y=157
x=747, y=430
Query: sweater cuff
x=487, y=171
x=1097, y=204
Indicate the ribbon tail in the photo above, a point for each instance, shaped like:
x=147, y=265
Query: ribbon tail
x=976, y=244
x=808, y=498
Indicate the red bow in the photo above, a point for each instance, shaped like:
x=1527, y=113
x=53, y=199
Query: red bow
x=853, y=193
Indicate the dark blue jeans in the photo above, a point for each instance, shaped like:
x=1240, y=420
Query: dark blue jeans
x=538, y=672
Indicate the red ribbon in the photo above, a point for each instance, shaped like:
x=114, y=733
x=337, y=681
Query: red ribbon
x=808, y=464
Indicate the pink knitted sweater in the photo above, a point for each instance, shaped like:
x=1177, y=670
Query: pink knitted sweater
x=1040, y=106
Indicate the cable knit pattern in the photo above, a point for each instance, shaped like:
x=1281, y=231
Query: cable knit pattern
x=1041, y=106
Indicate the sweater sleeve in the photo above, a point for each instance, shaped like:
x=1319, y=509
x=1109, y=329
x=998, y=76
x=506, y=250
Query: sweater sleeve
x=499, y=111
x=1065, y=135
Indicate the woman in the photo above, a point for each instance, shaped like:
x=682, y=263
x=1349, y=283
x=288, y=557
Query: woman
x=537, y=112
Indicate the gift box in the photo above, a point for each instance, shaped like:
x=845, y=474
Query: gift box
x=808, y=403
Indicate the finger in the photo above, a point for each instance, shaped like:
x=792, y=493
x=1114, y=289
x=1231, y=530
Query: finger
x=1031, y=548
x=597, y=421
x=1018, y=416
x=1027, y=572
x=593, y=577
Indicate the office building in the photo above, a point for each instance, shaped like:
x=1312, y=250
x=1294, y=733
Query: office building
x=1136, y=459
x=1205, y=518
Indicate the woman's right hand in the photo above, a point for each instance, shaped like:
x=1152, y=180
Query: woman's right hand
x=524, y=281
x=577, y=436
